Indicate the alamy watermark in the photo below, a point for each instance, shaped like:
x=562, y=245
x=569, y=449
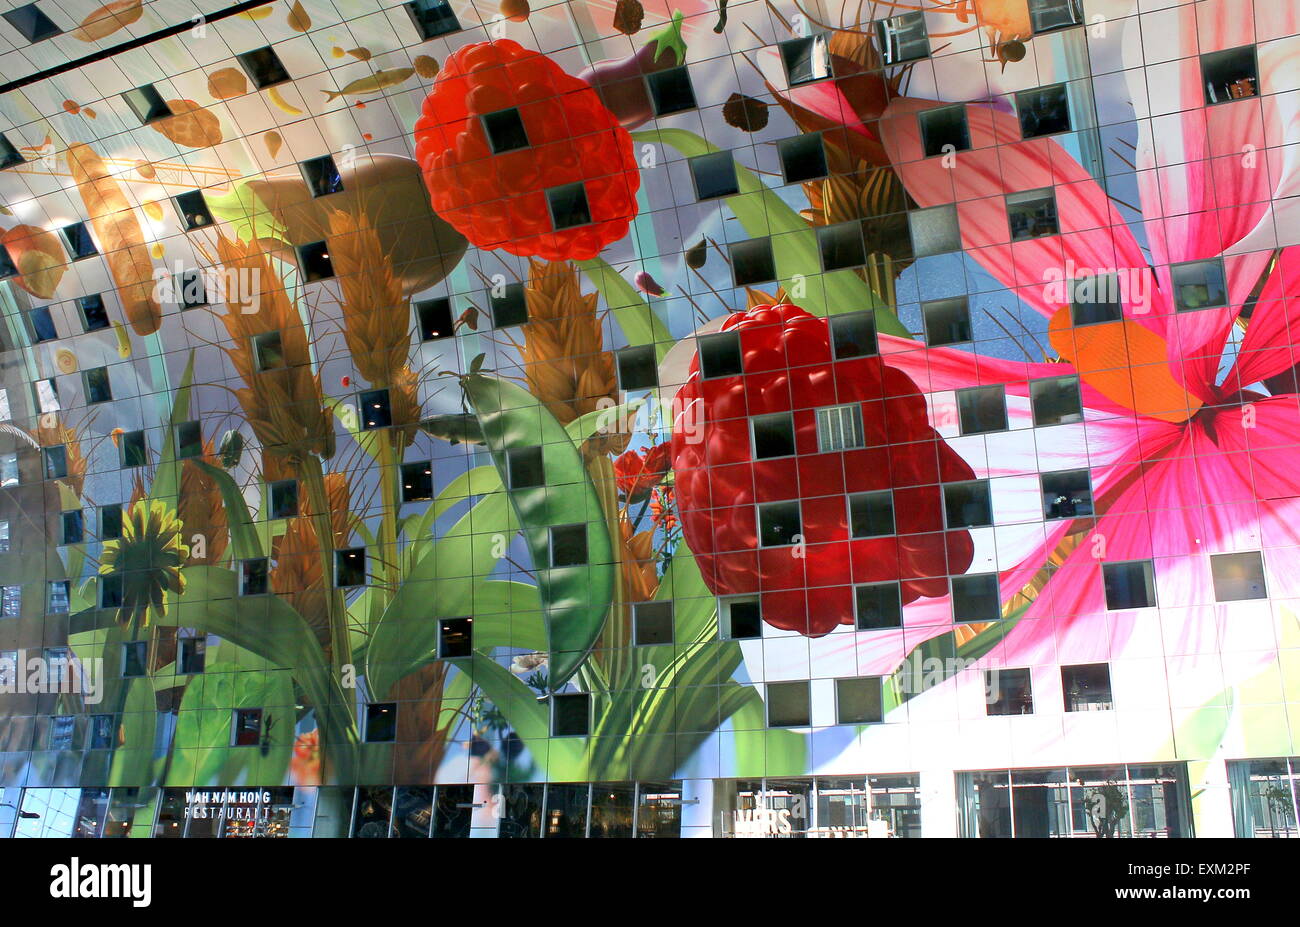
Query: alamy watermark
x=42, y=674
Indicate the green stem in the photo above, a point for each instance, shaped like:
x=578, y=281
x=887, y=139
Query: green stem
x=313, y=478
x=390, y=564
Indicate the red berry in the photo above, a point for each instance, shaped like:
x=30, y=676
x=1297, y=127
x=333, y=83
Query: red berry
x=499, y=200
x=788, y=367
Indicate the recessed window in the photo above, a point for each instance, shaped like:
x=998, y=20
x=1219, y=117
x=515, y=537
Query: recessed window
x=714, y=175
x=376, y=409
x=871, y=514
x=839, y=428
x=568, y=545
x=1010, y=692
x=9, y=155
x=284, y=498
x=432, y=18
x=524, y=467
x=788, y=704
x=740, y=617
x=135, y=450
x=246, y=727
x=568, y=205
x=40, y=325
x=1043, y=111
x=192, y=289
x=32, y=24
x=77, y=239
x=46, y=394
x=135, y=658
x=59, y=599
x=147, y=104
x=1199, y=285
x=944, y=130
x=504, y=130
x=752, y=262
x=878, y=605
x=1129, y=585
x=263, y=67
x=671, y=91
x=1238, y=577
x=110, y=521
x=97, y=385
x=653, y=622
x=975, y=597
x=509, y=307
x=434, y=317
x=719, y=355
x=1032, y=214
x=253, y=577
x=853, y=335
x=102, y=729
x=455, y=638
x=803, y=157
x=189, y=440
x=1067, y=494
x=322, y=176
x=773, y=435
x=350, y=567
x=11, y=601
x=314, y=259
x=841, y=246
x=1095, y=299
x=859, y=701
x=1050, y=15
x=806, y=59
x=1087, y=687
x=947, y=321
x=903, y=37
x=968, y=504
x=1056, y=400
x=192, y=207
x=638, y=368
x=191, y=655
x=9, y=470
x=1231, y=74
x=779, y=523
x=982, y=409
x=72, y=527
x=94, y=315
x=417, y=481
x=268, y=351
x=570, y=714
x=934, y=231
x=381, y=723
x=56, y=462
x=7, y=266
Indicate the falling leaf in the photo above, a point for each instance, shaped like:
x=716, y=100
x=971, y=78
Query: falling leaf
x=108, y=19
x=66, y=361
x=260, y=12
x=425, y=66
x=515, y=10
x=361, y=54
x=192, y=126
x=468, y=318
x=273, y=143
x=299, y=21
x=145, y=170
x=745, y=113
x=72, y=107
x=156, y=252
x=337, y=52
x=697, y=254
x=123, y=340
x=89, y=112
x=227, y=83
x=628, y=16
x=153, y=210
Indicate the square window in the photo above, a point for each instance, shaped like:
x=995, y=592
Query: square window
x=803, y=157
x=1199, y=285
x=968, y=504
x=1032, y=214
x=11, y=601
x=1129, y=585
x=72, y=527
x=719, y=355
x=1009, y=692
x=570, y=714
x=773, y=435
x=878, y=605
x=9, y=469
x=788, y=704
x=982, y=409
x=97, y=385
x=110, y=590
x=9, y=155
x=432, y=18
x=638, y=368
x=40, y=325
x=322, y=176
x=568, y=545
x=975, y=597
x=62, y=730
x=455, y=638
x=1056, y=401
x=135, y=659
x=1087, y=687
x=1050, y=15
x=56, y=462
x=1231, y=74
x=779, y=523
x=1095, y=299
x=1238, y=577
x=434, y=318
x=524, y=467
x=263, y=67
x=254, y=577
x=77, y=239
x=504, y=130
x=417, y=481
x=110, y=521
x=841, y=246
x=1067, y=494
x=192, y=289
x=147, y=104
x=853, y=335
x=191, y=655
x=859, y=701
x=46, y=393
x=871, y=514
x=350, y=567
x=32, y=24
x=102, y=730
x=740, y=617
x=947, y=321
x=314, y=259
x=1043, y=111
x=509, y=307
x=653, y=622
x=246, y=727
x=94, y=315
x=934, y=231
x=268, y=351
x=714, y=175
x=671, y=91
x=376, y=410
x=752, y=262
x=189, y=440
x=193, y=210
x=60, y=597
x=903, y=38
x=944, y=130
x=284, y=498
x=568, y=205
x=839, y=428
x=135, y=450
x=806, y=59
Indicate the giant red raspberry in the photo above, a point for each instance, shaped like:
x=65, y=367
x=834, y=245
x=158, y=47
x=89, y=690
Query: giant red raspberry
x=788, y=367
x=499, y=200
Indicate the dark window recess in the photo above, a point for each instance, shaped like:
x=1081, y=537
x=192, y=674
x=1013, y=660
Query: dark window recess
x=714, y=175
x=568, y=205
x=246, y=727
x=110, y=522
x=434, y=318
x=878, y=605
x=110, y=590
x=77, y=239
x=719, y=355
x=284, y=498
x=1009, y=692
x=975, y=597
x=41, y=325
x=1199, y=285
x=1231, y=74
x=1050, y=15
x=322, y=176
x=773, y=435
x=779, y=523
x=263, y=67
x=524, y=467
x=806, y=59
x=871, y=514
x=32, y=24
x=509, y=306
x=7, y=266
x=72, y=527
x=859, y=701
x=1237, y=577
x=1032, y=214
x=1087, y=687
x=742, y=618
x=102, y=729
x=671, y=91
x=314, y=259
x=192, y=207
x=189, y=440
x=653, y=622
x=903, y=37
x=432, y=18
x=350, y=567
x=56, y=462
x=788, y=704
x=853, y=335
x=147, y=104
x=934, y=231
x=1096, y=299
x=1129, y=585
x=982, y=409
x=192, y=655
x=417, y=481
x=94, y=315
x=968, y=505
x=1043, y=111
x=841, y=246
x=803, y=157
x=192, y=289
x=570, y=714
x=253, y=577
x=568, y=545
x=97, y=385
x=944, y=130
x=455, y=638
x=376, y=412
x=135, y=657
x=504, y=130
x=269, y=351
x=135, y=450
x=9, y=155
x=752, y=262
x=1067, y=494
x=1056, y=401
x=947, y=321
x=638, y=368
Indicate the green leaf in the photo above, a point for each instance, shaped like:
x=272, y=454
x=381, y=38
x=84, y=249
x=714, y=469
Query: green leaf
x=167, y=475
x=638, y=319
x=133, y=760
x=244, y=541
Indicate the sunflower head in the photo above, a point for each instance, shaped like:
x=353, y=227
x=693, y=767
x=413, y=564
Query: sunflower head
x=148, y=557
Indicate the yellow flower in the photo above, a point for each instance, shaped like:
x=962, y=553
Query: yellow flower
x=148, y=557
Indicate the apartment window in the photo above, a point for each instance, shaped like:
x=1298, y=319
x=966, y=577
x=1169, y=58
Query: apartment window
x=135, y=659
x=805, y=59
x=432, y=18
x=283, y=498
x=455, y=638
x=568, y=205
x=102, y=730
x=147, y=104
x=7, y=266
x=191, y=655
x=77, y=239
x=376, y=409
x=1231, y=74
x=1050, y=15
x=40, y=325
x=568, y=544
x=1066, y=494
x=903, y=37
x=263, y=67
x=97, y=385
x=934, y=231
x=859, y=701
x=841, y=246
x=871, y=514
x=525, y=468
x=1032, y=214
x=714, y=175
x=570, y=714
x=975, y=597
x=72, y=527
x=1095, y=299
x=191, y=288
x=947, y=321
x=9, y=155
x=322, y=176
x=62, y=729
x=268, y=351
x=1056, y=401
x=417, y=481
x=638, y=368
x=853, y=335
x=135, y=450
x=1087, y=687
x=752, y=262
x=779, y=523
x=740, y=617
x=803, y=157
x=504, y=130
x=110, y=521
x=11, y=601
x=246, y=727
x=671, y=91
x=381, y=723
x=46, y=394
x=1043, y=111
x=653, y=622
x=56, y=463
x=350, y=567
x=189, y=440
x=788, y=704
x=1199, y=285
x=839, y=428
x=434, y=318
x=1238, y=577
x=32, y=24
x=719, y=355
x=60, y=597
x=94, y=315
x=193, y=210
x=4, y=536
x=944, y=130
x=1129, y=585
x=968, y=504
x=254, y=576
x=4, y=405
x=314, y=259
x=1010, y=692
x=110, y=590
x=878, y=605
x=773, y=435
x=509, y=307
x=982, y=409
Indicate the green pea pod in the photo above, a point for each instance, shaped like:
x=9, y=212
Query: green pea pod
x=575, y=598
